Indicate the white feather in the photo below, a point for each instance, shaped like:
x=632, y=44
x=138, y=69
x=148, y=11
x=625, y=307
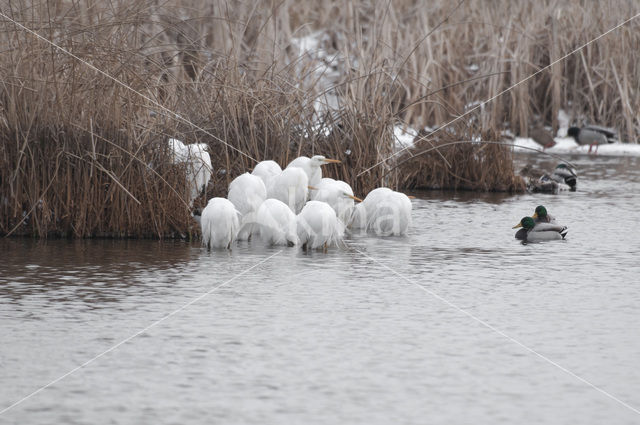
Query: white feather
x=277, y=223
x=247, y=192
x=219, y=223
x=318, y=225
x=290, y=187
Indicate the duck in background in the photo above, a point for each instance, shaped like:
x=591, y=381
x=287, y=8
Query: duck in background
x=593, y=135
x=542, y=137
x=563, y=177
x=566, y=174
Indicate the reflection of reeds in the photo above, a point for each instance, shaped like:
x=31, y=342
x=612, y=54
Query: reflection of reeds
x=80, y=155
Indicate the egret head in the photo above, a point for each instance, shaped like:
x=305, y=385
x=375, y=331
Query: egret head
x=541, y=212
x=319, y=160
x=526, y=222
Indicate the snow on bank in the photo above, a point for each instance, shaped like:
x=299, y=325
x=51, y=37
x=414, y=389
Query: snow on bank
x=403, y=137
x=326, y=74
x=567, y=145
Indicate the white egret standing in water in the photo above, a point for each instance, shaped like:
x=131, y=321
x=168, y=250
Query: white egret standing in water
x=311, y=166
x=338, y=195
x=363, y=210
x=219, y=223
x=318, y=226
x=384, y=212
x=266, y=170
x=277, y=223
x=247, y=192
x=291, y=186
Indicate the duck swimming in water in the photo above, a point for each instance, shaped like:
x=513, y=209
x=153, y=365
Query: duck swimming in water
x=539, y=232
x=540, y=215
x=562, y=178
x=566, y=175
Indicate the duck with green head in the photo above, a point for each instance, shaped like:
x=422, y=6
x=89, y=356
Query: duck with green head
x=565, y=174
x=593, y=135
x=541, y=215
x=539, y=232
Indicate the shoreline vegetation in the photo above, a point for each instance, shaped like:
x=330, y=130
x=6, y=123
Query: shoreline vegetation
x=82, y=155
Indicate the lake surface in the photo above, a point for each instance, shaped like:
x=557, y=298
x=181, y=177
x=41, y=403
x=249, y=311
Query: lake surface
x=360, y=335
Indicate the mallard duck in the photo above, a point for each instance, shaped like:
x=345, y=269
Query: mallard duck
x=539, y=232
x=559, y=180
x=542, y=137
x=566, y=175
x=540, y=215
x=592, y=135
x=547, y=184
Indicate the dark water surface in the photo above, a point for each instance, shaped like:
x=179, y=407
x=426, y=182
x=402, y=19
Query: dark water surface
x=339, y=338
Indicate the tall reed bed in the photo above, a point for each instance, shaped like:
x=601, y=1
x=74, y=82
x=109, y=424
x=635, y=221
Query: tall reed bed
x=83, y=155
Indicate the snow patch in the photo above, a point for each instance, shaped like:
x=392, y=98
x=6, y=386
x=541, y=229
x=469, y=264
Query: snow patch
x=563, y=123
x=404, y=136
x=567, y=145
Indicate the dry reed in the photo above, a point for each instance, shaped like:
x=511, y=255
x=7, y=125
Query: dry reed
x=82, y=156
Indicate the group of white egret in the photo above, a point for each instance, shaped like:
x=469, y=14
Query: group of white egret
x=296, y=206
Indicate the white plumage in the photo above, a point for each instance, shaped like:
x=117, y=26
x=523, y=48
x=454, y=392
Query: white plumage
x=338, y=195
x=363, y=211
x=384, y=212
x=290, y=187
x=198, y=165
x=277, y=223
x=219, y=223
x=266, y=170
x=247, y=192
x=318, y=226
x=311, y=166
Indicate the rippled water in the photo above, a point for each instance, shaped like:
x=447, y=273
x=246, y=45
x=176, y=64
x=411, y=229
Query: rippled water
x=368, y=334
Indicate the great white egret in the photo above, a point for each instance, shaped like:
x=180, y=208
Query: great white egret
x=247, y=192
x=318, y=226
x=219, y=223
x=266, y=170
x=291, y=186
x=277, y=223
x=384, y=212
x=198, y=165
x=311, y=166
x=362, y=212
x=338, y=195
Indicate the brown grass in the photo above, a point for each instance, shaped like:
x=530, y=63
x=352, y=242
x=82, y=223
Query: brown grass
x=82, y=156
